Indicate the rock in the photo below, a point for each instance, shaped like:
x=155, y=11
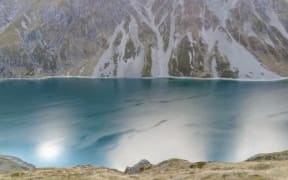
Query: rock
x=10, y=163
x=139, y=167
x=279, y=156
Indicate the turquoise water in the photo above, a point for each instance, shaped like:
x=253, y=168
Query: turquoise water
x=115, y=123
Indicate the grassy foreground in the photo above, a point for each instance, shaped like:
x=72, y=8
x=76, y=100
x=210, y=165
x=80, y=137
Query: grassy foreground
x=260, y=167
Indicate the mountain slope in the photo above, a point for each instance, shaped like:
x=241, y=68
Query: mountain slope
x=144, y=38
x=9, y=163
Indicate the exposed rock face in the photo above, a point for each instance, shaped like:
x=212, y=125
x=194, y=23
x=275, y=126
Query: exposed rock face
x=9, y=163
x=139, y=167
x=140, y=38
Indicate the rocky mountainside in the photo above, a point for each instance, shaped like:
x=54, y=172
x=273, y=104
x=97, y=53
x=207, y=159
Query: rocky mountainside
x=9, y=163
x=144, y=38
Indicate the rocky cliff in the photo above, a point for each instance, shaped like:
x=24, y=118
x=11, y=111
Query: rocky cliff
x=144, y=38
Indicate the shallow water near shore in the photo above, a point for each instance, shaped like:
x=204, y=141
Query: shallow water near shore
x=116, y=122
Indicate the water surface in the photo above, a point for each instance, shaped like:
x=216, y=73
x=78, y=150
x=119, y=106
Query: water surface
x=115, y=123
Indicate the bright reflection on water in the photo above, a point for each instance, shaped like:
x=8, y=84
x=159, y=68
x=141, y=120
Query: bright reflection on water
x=115, y=123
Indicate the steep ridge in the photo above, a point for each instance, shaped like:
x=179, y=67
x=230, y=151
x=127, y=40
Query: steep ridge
x=144, y=38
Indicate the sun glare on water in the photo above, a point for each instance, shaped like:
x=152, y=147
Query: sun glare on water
x=49, y=151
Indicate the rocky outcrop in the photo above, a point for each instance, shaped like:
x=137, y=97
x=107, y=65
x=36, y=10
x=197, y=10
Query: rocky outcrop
x=136, y=38
x=9, y=163
x=139, y=167
x=280, y=156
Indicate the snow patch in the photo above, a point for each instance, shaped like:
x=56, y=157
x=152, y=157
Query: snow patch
x=214, y=68
x=239, y=57
x=221, y=8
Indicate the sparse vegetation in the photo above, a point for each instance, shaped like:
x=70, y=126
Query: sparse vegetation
x=199, y=165
x=118, y=39
x=17, y=174
x=146, y=72
x=130, y=50
x=277, y=169
x=183, y=57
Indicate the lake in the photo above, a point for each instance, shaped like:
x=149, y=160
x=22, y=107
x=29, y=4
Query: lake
x=117, y=122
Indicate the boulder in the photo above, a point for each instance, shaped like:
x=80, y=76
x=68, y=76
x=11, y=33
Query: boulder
x=139, y=167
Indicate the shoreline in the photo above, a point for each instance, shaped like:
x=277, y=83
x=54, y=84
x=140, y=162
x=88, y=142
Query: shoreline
x=143, y=78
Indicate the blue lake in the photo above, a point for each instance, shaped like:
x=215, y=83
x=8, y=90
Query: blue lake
x=117, y=122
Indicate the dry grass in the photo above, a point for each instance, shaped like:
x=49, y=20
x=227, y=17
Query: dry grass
x=172, y=169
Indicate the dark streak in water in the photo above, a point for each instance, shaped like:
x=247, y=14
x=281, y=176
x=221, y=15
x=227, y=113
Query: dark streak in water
x=159, y=124
x=105, y=140
x=154, y=126
x=284, y=113
x=105, y=112
x=113, y=137
x=139, y=104
x=115, y=110
x=224, y=125
x=182, y=99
